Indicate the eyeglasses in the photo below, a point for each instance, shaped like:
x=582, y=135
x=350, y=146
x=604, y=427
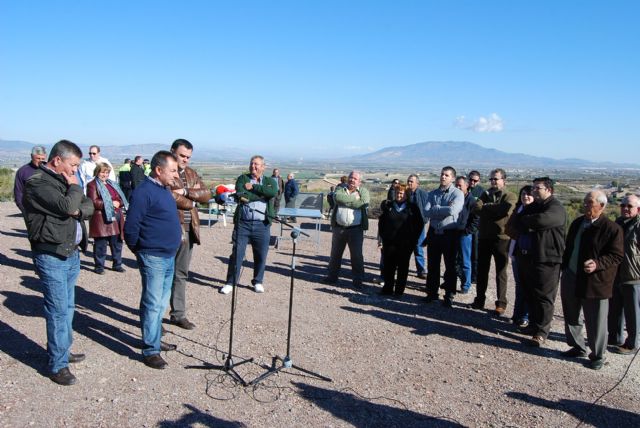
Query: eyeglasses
x=474, y=180
x=93, y=153
x=495, y=179
x=626, y=206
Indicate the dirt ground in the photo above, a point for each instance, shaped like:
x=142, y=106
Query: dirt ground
x=391, y=362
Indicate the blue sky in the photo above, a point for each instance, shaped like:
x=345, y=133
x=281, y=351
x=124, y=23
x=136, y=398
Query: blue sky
x=321, y=78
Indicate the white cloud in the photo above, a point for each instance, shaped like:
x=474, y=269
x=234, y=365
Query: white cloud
x=493, y=123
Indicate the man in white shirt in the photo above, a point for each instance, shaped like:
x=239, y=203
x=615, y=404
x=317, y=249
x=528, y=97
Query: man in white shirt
x=89, y=165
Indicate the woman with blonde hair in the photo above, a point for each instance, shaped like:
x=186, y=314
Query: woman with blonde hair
x=107, y=223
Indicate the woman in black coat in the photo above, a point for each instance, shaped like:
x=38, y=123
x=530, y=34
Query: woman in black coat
x=399, y=227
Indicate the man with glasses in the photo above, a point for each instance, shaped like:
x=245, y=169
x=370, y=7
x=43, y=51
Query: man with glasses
x=624, y=306
x=89, y=165
x=589, y=267
x=494, y=208
x=539, y=248
x=475, y=190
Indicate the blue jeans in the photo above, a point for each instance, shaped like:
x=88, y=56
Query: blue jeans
x=258, y=235
x=58, y=276
x=419, y=252
x=157, y=277
x=465, y=257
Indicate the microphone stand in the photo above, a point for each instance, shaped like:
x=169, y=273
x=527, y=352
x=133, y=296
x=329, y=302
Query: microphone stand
x=287, y=362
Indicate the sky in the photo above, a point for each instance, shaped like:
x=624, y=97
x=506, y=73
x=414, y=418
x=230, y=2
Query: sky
x=324, y=78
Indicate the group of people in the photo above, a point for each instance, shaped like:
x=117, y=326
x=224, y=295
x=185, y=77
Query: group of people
x=458, y=222
x=596, y=265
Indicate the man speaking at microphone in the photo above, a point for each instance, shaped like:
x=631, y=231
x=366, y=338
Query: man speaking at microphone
x=252, y=223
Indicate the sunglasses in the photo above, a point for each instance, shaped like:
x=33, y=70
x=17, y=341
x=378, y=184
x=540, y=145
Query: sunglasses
x=473, y=180
x=626, y=206
x=93, y=153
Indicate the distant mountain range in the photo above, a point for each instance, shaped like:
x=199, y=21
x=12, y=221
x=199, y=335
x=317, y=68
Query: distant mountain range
x=462, y=153
x=428, y=154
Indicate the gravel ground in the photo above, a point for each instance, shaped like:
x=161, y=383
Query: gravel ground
x=392, y=362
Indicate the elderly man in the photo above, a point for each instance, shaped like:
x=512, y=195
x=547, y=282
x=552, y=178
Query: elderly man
x=590, y=262
x=252, y=224
x=152, y=232
x=137, y=172
x=418, y=197
x=444, y=205
x=494, y=208
x=38, y=156
x=624, y=306
x=280, y=182
x=291, y=191
x=348, y=223
x=55, y=209
x=188, y=190
x=539, y=247
x=89, y=165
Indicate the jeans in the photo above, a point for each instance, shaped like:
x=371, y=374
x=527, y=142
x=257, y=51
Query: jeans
x=340, y=238
x=466, y=242
x=58, y=276
x=100, y=251
x=520, y=308
x=419, y=252
x=157, y=276
x=258, y=235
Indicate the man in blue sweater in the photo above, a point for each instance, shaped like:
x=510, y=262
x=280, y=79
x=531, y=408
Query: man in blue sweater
x=152, y=232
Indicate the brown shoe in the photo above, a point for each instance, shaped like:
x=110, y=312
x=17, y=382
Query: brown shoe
x=623, y=350
x=183, y=323
x=64, y=377
x=536, y=341
x=499, y=311
x=154, y=361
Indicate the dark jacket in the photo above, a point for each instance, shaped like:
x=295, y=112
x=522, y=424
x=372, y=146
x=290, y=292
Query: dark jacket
x=196, y=192
x=290, y=190
x=265, y=191
x=494, y=207
x=98, y=228
x=22, y=175
x=602, y=241
x=48, y=201
x=400, y=229
x=544, y=223
x=629, y=270
x=419, y=199
x=137, y=175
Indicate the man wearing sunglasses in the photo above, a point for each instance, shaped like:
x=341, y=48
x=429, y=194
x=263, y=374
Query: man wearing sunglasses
x=624, y=306
x=89, y=165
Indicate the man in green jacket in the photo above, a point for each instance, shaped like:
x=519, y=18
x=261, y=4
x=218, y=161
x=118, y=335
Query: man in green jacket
x=252, y=223
x=348, y=223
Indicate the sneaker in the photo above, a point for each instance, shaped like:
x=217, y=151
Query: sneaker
x=522, y=324
x=258, y=288
x=226, y=289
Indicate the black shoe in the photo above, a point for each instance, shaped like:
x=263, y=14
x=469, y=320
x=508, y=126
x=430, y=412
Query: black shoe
x=119, y=269
x=477, y=304
x=431, y=298
x=328, y=280
x=183, y=323
x=76, y=358
x=597, y=364
x=384, y=292
x=99, y=271
x=574, y=353
x=422, y=275
x=447, y=302
x=154, y=361
x=168, y=346
x=64, y=377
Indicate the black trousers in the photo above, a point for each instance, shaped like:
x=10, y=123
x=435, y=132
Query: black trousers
x=396, y=261
x=441, y=246
x=539, y=282
x=499, y=250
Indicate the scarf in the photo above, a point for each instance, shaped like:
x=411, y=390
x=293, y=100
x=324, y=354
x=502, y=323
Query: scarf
x=109, y=210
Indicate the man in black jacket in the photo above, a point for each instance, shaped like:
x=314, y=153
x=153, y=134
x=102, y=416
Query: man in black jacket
x=55, y=210
x=539, y=247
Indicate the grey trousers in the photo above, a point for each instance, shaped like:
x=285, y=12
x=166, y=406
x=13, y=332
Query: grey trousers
x=595, y=318
x=180, y=276
x=624, y=308
x=340, y=238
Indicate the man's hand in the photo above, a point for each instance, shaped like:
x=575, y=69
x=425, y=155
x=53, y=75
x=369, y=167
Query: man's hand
x=71, y=179
x=248, y=186
x=590, y=266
